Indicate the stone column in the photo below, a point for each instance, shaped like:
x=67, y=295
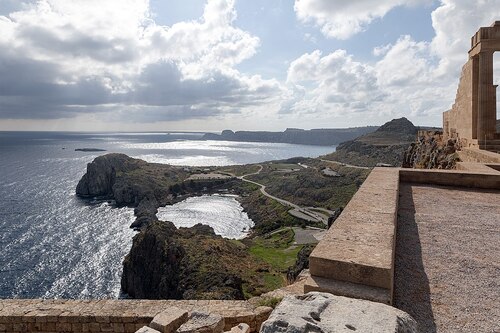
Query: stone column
x=486, y=111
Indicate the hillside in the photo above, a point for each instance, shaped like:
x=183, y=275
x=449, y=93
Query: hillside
x=317, y=137
x=194, y=263
x=386, y=145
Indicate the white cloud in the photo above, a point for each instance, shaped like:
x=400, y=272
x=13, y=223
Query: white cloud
x=95, y=55
x=417, y=79
x=335, y=83
x=342, y=19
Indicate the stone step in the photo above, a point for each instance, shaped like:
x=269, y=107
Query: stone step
x=348, y=289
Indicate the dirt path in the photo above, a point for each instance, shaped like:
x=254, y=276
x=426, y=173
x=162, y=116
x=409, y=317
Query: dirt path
x=303, y=213
x=347, y=165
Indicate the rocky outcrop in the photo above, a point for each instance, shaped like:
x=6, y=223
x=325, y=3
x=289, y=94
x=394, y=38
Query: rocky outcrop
x=184, y=263
x=322, y=312
x=102, y=173
x=386, y=145
x=130, y=182
x=301, y=263
x=432, y=152
x=318, y=137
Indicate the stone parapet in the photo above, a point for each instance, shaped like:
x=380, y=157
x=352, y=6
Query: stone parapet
x=356, y=256
x=123, y=316
x=473, y=179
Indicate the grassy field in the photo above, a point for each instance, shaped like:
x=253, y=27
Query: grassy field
x=240, y=170
x=276, y=249
x=284, y=166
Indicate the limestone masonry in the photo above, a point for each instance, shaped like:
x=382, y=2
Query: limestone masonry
x=472, y=118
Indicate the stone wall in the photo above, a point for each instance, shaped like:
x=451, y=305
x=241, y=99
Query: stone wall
x=123, y=316
x=462, y=118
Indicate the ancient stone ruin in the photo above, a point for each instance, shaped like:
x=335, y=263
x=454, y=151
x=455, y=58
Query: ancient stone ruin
x=472, y=119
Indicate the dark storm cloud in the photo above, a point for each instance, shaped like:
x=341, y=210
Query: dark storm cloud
x=162, y=84
x=28, y=91
x=76, y=43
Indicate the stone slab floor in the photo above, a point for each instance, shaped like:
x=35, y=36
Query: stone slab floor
x=447, y=273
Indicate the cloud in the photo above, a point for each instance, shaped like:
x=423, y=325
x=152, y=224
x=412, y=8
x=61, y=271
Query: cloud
x=61, y=58
x=342, y=19
x=417, y=79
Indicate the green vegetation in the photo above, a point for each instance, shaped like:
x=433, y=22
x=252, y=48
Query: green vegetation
x=270, y=301
x=309, y=187
x=276, y=249
x=284, y=166
x=268, y=214
x=240, y=170
x=257, y=264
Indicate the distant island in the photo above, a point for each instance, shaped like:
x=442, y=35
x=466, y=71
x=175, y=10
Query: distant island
x=316, y=137
x=89, y=149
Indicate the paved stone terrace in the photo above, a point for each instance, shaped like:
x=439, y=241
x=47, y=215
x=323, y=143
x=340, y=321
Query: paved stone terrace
x=113, y=315
x=447, y=270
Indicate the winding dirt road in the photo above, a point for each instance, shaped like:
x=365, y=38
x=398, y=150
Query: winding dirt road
x=303, y=213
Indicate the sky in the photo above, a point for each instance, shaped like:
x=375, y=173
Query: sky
x=165, y=65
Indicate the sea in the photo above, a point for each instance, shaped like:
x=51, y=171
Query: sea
x=56, y=245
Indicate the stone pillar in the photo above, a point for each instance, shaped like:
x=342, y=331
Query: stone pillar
x=486, y=111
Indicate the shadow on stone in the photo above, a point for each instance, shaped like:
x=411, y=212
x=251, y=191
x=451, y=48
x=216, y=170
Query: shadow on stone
x=411, y=284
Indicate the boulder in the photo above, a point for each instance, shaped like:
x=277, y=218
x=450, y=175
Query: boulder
x=241, y=328
x=146, y=329
x=200, y=322
x=169, y=320
x=323, y=312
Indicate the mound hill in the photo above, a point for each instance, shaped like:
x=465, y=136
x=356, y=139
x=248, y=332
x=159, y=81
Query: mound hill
x=386, y=145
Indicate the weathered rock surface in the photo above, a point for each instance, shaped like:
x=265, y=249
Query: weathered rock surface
x=200, y=322
x=146, y=329
x=301, y=263
x=241, y=328
x=170, y=320
x=322, y=312
x=430, y=151
x=184, y=263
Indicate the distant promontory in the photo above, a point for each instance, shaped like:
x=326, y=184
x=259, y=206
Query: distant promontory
x=316, y=137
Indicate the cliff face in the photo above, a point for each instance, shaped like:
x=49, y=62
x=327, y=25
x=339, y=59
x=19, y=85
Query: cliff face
x=431, y=152
x=101, y=175
x=184, y=263
x=130, y=182
x=386, y=145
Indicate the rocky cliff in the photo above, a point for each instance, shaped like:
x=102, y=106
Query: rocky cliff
x=430, y=151
x=185, y=263
x=318, y=137
x=130, y=182
x=386, y=145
